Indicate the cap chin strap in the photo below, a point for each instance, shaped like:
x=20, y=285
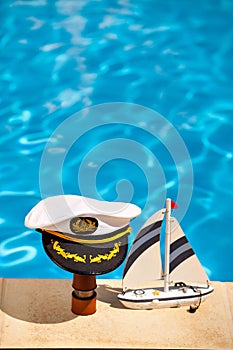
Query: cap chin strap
x=118, y=234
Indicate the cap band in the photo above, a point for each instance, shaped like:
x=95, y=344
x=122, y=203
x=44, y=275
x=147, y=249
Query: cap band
x=112, y=237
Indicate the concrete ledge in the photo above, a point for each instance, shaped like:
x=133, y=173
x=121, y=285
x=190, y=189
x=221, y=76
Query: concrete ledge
x=36, y=314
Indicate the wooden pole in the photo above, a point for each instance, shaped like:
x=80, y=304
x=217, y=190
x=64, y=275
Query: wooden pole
x=84, y=295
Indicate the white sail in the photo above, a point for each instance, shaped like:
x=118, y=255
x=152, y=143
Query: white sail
x=144, y=260
x=184, y=264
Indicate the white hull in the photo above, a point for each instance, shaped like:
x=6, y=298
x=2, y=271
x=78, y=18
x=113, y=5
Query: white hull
x=150, y=298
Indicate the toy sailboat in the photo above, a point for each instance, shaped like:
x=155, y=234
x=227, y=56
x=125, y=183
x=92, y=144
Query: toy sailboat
x=181, y=267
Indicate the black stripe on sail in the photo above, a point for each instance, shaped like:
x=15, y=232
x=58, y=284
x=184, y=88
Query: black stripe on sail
x=139, y=251
x=180, y=258
x=179, y=242
x=180, y=250
x=148, y=229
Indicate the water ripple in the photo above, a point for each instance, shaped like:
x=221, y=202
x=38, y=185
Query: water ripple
x=17, y=255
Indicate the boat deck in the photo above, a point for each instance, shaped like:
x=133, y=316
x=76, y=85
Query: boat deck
x=36, y=314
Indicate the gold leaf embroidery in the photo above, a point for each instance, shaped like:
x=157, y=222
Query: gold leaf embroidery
x=68, y=255
x=82, y=259
x=108, y=256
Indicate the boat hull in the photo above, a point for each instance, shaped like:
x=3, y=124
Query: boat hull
x=150, y=298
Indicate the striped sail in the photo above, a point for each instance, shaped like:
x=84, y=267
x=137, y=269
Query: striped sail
x=144, y=260
x=184, y=264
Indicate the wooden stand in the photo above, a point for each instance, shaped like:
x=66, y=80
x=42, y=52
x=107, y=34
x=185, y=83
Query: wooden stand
x=84, y=295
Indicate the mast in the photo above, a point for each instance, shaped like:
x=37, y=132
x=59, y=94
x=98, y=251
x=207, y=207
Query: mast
x=167, y=245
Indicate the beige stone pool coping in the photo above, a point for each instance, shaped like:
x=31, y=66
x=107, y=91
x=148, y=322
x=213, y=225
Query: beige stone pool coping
x=35, y=313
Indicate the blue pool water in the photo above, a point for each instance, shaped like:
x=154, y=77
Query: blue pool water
x=160, y=73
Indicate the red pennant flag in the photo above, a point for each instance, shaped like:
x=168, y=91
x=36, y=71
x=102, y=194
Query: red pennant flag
x=173, y=205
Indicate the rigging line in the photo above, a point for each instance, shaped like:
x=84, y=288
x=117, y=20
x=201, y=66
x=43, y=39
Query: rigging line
x=194, y=309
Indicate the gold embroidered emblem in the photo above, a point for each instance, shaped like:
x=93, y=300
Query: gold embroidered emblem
x=82, y=225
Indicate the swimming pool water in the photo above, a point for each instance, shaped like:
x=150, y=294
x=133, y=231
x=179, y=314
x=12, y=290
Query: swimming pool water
x=59, y=58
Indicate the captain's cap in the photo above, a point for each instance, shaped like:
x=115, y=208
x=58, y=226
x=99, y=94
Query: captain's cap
x=77, y=217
